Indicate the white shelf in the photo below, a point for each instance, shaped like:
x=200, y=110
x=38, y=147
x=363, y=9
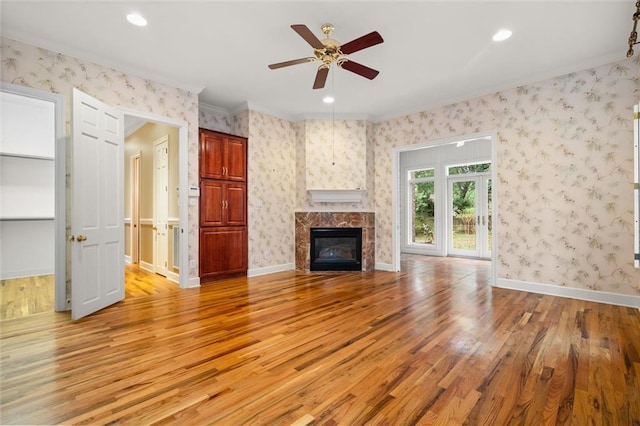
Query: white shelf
x=24, y=218
x=336, y=195
x=27, y=156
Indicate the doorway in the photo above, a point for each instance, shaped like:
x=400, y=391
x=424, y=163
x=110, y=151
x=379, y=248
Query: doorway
x=152, y=197
x=427, y=166
x=32, y=211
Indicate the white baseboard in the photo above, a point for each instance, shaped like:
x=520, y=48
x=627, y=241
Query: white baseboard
x=271, y=269
x=571, y=292
x=147, y=266
x=193, y=282
x=172, y=276
x=384, y=267
x=127, y=260
x=6, y=275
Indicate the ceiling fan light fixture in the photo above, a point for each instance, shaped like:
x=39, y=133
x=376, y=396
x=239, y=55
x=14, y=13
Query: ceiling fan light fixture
x=328, y=99
x=502, y=35
x=137, y=20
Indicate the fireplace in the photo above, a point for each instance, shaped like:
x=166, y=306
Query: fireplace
x=306, y=221
x=336, y=249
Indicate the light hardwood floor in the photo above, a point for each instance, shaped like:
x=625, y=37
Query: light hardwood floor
x=432, y=345
x=20, y=297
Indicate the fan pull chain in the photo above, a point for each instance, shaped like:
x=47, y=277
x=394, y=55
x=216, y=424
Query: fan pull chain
x=333, y=119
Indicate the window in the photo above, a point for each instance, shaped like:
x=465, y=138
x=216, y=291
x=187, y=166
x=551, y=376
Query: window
x=421, y=209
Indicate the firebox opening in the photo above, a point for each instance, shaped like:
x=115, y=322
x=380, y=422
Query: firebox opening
x=336, y=249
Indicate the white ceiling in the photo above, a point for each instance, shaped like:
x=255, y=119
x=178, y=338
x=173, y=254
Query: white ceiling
x=434, y=53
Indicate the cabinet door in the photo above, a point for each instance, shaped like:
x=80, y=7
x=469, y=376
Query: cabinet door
x=211, y=155
x=236, y=159
x=236, y=208
x=211, y=203
x=222, y=251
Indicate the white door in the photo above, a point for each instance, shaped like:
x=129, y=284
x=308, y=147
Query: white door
x=161, y=205
x=97, y=248
x=470, y=232
x=135, y=208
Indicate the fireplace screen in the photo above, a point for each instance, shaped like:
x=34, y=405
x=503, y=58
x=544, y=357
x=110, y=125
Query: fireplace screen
x=336, y=249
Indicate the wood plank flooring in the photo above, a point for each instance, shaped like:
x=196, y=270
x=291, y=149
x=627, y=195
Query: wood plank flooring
x=20, y=297
x=434, y=344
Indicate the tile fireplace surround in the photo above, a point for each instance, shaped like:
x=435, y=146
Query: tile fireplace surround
x=307, y=220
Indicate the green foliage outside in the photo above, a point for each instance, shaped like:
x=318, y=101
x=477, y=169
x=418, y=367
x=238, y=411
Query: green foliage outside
x=464, y=194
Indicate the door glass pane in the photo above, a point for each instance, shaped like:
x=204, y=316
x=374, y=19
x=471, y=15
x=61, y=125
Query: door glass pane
x=422, y=213
x=464, y=215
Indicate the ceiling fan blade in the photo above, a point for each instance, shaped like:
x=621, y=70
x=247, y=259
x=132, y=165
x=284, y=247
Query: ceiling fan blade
x=360, y=69
x=360, y=43
x=289, y=63
x=308, y=36
x=321, y=78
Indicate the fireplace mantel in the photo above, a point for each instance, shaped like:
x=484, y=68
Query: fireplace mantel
x=336, y=195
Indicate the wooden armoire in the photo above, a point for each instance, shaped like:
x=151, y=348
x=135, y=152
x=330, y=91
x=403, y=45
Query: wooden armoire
x=223, y=205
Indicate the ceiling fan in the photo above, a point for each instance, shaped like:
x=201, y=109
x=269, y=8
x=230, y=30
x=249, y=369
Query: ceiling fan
x=330, y=51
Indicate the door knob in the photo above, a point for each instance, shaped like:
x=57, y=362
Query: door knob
x=81, y=238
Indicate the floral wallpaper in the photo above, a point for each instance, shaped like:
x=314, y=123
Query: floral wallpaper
x=334, y=155
x=565, y=173
x=271, y=190
x=42, y=69
x=214, y=119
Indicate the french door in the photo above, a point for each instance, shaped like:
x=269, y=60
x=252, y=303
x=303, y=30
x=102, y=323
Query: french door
x=469, y=214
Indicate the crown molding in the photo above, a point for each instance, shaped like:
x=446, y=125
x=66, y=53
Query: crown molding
x=252, y=106
x=213, y=108
x=330, y=116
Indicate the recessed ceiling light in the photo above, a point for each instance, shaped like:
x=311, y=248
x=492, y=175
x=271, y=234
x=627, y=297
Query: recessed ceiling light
x=137, y=19
x=502, y=35
x=328, y=99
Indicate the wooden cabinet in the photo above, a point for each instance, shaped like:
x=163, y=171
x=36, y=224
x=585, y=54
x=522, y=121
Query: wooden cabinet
x=223, y=156
x=226, y=203
x=216, y=248
x=223, y=205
